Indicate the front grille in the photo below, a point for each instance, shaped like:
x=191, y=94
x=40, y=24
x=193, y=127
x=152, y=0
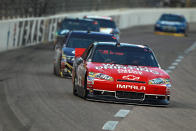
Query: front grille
x=106, y=93
x=132, y=81
x=129, y=95
x=154, y=97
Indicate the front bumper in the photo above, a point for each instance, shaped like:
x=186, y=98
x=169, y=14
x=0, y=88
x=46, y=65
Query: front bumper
x=170, y=30
x=128, y=97
x=168, y=33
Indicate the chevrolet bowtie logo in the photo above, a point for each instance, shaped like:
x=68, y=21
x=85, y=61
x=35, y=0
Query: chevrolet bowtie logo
x=131, y=77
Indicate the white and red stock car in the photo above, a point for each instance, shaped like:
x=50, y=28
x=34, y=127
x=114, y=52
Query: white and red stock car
x=120, y=72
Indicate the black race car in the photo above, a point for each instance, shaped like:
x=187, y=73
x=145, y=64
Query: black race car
x=73, y=46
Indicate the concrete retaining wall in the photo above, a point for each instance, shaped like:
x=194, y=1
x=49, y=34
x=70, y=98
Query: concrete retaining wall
x=24, y=32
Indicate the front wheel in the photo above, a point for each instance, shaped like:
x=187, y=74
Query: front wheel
x=84, y=91
x=74, y=86
x=57, y=63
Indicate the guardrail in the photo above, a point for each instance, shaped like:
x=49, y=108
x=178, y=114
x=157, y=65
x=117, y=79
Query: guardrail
x=30, y=31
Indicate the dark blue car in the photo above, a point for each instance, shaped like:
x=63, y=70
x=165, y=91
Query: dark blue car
x=171, y=23
x=70, y=24
x=74, y=46
x=81, y=24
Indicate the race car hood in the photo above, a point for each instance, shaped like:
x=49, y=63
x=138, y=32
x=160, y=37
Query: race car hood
x=77, y=52
x=171, y=23
x=125, y=72
x=68, y=51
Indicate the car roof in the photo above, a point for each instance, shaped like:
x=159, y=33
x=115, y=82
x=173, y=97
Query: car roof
x=78, y=19
x=120, y=44
x=99, y=17
x=169, y=14
x=77, y=32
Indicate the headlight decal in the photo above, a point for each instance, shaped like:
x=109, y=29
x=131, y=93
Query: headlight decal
x=100, y=76
x=90, y=80
x=159, y=81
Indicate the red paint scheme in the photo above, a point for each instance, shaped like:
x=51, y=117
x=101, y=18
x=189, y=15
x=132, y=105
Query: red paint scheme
x=79, y=51
x=140, y=73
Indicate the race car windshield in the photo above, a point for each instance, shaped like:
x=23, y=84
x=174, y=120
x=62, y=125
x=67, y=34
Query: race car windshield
x=172, y=18
x=85, y=41
x=80, y=25
x=106, y=23
x=124, y=56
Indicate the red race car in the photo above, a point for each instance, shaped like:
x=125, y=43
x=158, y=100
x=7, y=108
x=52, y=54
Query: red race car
x=120, y=72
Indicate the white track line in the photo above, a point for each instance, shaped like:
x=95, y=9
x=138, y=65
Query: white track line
x=110, y=125
x=171, y=67
x=174, y=63
x=190, y=48
x=179, y=58
x=168, y=71
x=122, y=113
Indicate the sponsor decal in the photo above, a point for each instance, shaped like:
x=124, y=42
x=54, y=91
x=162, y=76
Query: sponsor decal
x=131, y=77
x=129, y=71
x=123, y=69
x=90, y=80
x=79, y=51
x=168, y=85
x=132, y=87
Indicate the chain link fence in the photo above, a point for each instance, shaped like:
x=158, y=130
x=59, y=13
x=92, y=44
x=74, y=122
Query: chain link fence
x=10, y=9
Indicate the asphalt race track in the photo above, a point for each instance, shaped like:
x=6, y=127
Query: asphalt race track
x=33, y=99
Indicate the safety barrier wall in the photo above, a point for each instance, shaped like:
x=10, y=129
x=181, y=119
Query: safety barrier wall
x=10, y=9
x=25, y=32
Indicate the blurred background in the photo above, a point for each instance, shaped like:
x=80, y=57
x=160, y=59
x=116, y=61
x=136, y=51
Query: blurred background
x=10, y=9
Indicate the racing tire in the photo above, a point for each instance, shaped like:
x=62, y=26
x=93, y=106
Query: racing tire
x=57, y=65
x=74, y=87
x=57, y=70
x=84, y=92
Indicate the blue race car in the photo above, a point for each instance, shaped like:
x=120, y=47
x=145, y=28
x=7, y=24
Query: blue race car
x=171, y=24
